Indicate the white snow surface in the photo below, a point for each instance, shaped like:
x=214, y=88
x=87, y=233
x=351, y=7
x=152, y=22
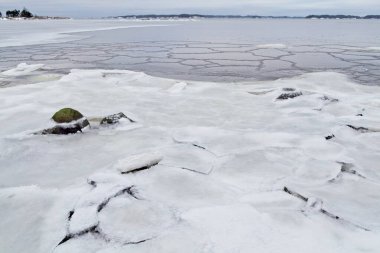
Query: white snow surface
x=228, y=150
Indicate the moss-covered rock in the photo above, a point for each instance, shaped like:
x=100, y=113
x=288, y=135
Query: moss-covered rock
x=69, y=121
x=67, y=115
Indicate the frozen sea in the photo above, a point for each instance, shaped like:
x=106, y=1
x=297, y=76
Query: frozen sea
x=243, y=136
x=207, y=50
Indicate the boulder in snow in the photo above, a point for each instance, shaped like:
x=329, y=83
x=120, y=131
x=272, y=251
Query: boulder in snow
x=69, y=115
x=69, y=121
x=289, y=95
x=62, y=130
x=114, y=119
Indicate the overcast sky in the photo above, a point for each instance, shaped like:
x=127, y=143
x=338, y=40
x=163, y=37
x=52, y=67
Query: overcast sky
x=101, y=8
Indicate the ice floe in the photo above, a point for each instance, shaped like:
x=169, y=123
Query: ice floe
x=138, y=162
x=22, y=69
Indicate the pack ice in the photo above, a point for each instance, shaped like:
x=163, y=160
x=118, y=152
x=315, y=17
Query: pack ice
x=290, y=165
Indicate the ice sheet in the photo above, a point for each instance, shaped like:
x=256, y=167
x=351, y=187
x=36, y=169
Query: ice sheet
x=36, y=32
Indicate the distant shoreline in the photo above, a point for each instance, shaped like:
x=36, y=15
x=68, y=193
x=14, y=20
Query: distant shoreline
x=198, y=16
x=24, y=14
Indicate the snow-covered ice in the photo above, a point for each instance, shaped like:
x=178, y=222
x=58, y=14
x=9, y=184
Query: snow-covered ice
x=178, y=87
x=374, y=48
x=35, y=32
x=22, y=69
x=272, y=46
x=138, y=162
x=235, y=168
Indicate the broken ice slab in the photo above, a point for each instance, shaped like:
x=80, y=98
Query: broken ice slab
x=130, y=221
x=83, y=218
x=191, y=157
x=138, y=162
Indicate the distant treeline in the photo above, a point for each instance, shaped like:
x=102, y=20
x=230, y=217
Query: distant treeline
x=343, y=17
x=188, y=16
x=24, y=13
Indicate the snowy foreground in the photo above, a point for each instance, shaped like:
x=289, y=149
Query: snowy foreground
x=226, y=167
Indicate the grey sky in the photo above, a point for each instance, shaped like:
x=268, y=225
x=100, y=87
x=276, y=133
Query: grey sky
x=99, y=8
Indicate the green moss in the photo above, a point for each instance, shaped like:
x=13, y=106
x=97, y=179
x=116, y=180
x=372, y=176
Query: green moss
x=66, y=115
